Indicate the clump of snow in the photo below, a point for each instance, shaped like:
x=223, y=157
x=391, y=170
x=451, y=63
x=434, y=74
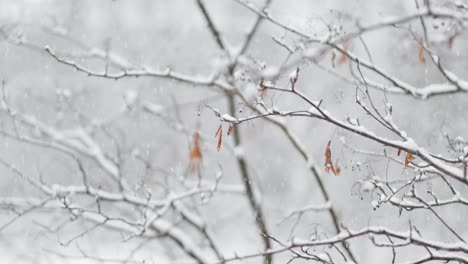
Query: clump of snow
x=437, y=88
x=3, y=105
x=130, y=97
x=136, y=153
x=383, y=197
x=310, y=52
x=367, y=186
x=352, y=121
x=389, y=107
x=269, y=72
x=388, y=118
x=65, y=93
x=294, y=75
x=375, y=204
x=228, y=118
x=155, y=108
x=239, y=152
x=323, y=257
x=250, y=92
x=314, y=111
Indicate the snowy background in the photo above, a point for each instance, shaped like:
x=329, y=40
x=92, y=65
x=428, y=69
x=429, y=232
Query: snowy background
x=146, y=125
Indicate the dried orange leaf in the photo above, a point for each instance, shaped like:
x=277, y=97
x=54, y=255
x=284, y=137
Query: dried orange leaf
x=328, y=152
x=422, y=59
x=230, y=128
x=337, y=167
x=219, y=134
x=219, y=130
x=450, y=41
x=328, y=162
x=409, y=157
x=344, y=53
x=263, y=90
x=220, y=140
x=399, y=151
x=333, y=58
x=195, y=154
